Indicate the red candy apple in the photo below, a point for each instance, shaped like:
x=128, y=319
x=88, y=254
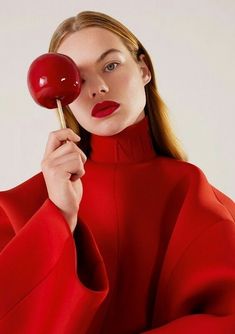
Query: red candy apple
x=51, y=77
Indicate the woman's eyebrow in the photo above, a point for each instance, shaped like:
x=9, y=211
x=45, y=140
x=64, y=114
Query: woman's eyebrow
x=104, y=54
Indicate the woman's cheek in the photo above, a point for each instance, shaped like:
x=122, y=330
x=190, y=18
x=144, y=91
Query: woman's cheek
x=78, y=110
x=125, y=82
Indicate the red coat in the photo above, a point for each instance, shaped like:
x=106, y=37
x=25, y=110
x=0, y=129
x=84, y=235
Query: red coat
x=153, y=251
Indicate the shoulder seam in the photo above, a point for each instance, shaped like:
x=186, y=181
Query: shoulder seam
x=233, y=217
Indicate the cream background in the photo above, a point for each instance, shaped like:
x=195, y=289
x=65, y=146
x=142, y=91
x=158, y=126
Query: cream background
x=192, y=45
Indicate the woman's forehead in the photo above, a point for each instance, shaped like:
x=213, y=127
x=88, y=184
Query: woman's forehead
x=90, y=43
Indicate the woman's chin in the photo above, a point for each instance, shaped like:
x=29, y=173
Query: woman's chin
x=111, y=125
x=107, y=132
x=104, y=127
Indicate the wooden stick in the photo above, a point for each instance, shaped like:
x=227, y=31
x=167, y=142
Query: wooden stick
x=60, y=114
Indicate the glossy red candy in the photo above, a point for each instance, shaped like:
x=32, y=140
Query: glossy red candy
x=53, y=76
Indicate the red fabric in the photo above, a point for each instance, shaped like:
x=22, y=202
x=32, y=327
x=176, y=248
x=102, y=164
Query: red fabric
x=153, y=251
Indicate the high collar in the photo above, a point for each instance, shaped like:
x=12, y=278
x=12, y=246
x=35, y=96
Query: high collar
x=131, y=145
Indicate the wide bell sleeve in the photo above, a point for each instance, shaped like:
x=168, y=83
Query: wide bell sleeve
x=47, y=283
x=196, y=291
x=199, y=296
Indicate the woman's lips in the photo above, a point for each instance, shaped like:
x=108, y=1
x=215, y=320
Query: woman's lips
x=104, y=109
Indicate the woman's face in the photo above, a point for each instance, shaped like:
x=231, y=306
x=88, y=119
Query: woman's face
x=112, y=77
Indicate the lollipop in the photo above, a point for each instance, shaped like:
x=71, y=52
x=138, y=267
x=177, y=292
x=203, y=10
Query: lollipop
x=54, y=81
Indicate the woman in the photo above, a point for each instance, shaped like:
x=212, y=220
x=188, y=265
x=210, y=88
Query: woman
x=118, y=233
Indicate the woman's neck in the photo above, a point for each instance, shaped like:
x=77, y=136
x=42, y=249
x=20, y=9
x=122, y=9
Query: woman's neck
x=131, y=145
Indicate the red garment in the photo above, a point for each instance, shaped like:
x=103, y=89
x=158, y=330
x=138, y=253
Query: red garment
x=153, y=251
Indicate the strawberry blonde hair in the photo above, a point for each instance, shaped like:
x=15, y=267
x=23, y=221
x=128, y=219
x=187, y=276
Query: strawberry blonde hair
x=164, y=140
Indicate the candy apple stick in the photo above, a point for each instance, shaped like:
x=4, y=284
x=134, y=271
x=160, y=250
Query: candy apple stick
x=60, y=114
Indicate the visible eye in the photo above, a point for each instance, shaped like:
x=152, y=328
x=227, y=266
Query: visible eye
x=111, y=67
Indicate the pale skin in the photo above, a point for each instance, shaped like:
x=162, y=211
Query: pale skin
x=116, y=77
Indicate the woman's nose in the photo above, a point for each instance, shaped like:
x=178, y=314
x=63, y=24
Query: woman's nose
x=98, y=87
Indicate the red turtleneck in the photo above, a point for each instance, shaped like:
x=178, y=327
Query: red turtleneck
x=153, y=251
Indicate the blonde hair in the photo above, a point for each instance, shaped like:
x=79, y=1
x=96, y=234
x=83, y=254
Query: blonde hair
x=164, y=141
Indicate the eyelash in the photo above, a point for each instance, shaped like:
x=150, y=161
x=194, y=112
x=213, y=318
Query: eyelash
x=111, y=64
x=83, y=81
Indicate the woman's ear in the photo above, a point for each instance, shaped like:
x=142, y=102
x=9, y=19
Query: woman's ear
x=145, y=72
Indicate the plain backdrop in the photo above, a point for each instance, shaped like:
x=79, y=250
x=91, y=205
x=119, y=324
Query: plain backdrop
x=192, y=46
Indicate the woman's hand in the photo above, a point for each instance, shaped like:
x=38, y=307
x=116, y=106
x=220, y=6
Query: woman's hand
x=62, y=168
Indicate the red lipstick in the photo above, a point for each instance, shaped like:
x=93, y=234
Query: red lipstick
x=104, y=108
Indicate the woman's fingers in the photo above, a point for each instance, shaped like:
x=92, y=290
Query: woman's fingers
x=69, y=147
x=65, y=160
x=71, y=166
x=57, y=138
